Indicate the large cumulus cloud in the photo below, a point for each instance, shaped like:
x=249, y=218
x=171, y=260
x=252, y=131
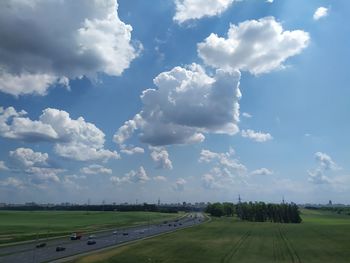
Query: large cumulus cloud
x=257, y=46
x=73, y=139
x=186, y=104
x=48, y=42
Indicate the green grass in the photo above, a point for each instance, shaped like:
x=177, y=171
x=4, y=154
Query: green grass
x=19, y=226
x=322, y=237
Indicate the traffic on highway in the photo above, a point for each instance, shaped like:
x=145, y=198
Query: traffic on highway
x=78, y=243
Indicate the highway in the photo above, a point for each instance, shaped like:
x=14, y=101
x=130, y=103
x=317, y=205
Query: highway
x=29, y=253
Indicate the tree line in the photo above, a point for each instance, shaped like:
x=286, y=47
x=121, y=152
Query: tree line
x=107, y=207
x=345, y=210
x=257, y=212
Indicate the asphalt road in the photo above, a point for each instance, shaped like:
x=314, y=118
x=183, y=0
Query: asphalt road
x=28, y=253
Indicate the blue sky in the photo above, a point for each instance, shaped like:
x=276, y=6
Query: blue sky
x=141, y=100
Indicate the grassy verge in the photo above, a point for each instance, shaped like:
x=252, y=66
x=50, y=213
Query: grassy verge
x=322, y=237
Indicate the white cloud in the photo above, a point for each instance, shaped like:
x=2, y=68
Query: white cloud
x=3, y=166
x=210, y=182
x=139, y=176
x=269, y=1
x=326, y=161
x=179, y=185
x=130, y=149
x=161, y=157
x=320, y=12
x=325, y=164
x=226, y=170
x=159, y=178
x=256, y=136
x=127, y=130
x=95, y=169
x=75, y=177
x=257, y=46
x=15, y=125
x=12, y=182
x=196, y=9
x=262, y=171
x=27, y=83
x=170, y=115
x=27, y=157
x=83, y=152
x=317, y=177
x=83, y=38
x=74, y=139
x=43, y=175
x=208, y=156
x=247, y=115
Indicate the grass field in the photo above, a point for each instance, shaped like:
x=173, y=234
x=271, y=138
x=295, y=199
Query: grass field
x=322, y=237
x=19, y=226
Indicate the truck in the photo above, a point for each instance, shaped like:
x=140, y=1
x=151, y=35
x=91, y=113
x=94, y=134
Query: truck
x=75, y=236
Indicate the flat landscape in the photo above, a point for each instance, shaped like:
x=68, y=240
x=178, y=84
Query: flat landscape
x=321, y=237
x=20, y=226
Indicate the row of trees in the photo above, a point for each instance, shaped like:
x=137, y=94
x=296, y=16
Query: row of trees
x=257, y=212
x=106, y=207
x=220, y=209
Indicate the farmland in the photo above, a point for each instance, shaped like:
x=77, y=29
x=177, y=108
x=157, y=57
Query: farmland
x=321, y=237
x=19, y=226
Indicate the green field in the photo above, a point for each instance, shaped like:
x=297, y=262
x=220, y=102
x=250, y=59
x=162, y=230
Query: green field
x=19, y=226
x=322, y=237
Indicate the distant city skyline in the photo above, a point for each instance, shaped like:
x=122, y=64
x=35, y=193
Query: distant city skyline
x=180, y=100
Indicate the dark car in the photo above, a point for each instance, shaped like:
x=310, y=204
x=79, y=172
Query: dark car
x=59, y=248
x=125, y=233
x=91, y=242
x=169, y=225
x=41, y=245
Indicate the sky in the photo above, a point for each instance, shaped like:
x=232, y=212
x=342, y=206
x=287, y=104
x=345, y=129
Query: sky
x=181, y=100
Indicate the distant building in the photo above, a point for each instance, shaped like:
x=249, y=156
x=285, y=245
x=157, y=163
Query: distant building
x=330, y=203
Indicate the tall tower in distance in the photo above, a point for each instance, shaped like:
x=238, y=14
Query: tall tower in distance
x=158, y=201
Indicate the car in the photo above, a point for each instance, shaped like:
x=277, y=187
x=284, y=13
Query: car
x=60, y=248
x=115, y=232
x=40, y=245
x=141, y=231
x=125, y=233
x=169, y=225
x=92, y=237
x=180, y=224
x=91, y=242
x=174, y=225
